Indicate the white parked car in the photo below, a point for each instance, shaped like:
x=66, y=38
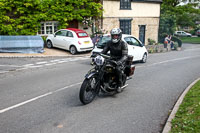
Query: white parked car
x=74, y=40
x=182, y=33
x=135, y=47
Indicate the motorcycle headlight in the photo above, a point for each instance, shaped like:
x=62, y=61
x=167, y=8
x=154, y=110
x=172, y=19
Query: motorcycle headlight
x=99, y=60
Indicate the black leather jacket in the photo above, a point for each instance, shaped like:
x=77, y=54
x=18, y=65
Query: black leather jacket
x=118, y=51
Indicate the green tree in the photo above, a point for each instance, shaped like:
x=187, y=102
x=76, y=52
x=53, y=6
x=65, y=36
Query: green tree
x=174, y=15
x=187, y=15
x=23, y=17
x=19, y=16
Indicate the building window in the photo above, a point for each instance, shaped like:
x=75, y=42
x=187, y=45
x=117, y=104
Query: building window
x=125, y=4
x=125, y=26
x=48, y=27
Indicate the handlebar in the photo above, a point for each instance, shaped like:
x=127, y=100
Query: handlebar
x=105, y=56
x=112, y=61
x=108, y=58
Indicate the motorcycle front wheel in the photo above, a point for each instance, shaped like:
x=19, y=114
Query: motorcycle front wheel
x=88, y=90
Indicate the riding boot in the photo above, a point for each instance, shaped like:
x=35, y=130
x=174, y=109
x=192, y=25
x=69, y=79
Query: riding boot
x=120, y=83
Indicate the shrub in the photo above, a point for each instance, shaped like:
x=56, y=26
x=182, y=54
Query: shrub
x=192, y=32
x=176, y=39
x=175, y=45
x=151, y=41
x=44, y=39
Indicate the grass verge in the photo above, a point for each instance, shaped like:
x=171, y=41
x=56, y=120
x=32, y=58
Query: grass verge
x=187, y=119
x=195, y=40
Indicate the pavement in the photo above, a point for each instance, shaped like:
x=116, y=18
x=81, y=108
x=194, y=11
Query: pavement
x=54, y=52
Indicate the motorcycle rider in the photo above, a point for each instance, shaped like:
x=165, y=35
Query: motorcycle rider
x=118, y=52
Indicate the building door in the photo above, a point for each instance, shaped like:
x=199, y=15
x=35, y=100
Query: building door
x=73, y=24
x=142, y=33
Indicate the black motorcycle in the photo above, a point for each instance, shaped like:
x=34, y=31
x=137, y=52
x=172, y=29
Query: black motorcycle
x=103, y=78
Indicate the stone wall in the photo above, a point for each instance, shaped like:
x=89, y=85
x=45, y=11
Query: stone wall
x=152, y=25
x=160, y=48
x=138, y=9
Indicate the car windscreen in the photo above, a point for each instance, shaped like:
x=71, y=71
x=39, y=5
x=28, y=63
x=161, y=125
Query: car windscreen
x=102, y=41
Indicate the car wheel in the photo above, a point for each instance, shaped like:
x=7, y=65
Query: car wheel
x=73, y=50
x=49, y=44
x=144, y=58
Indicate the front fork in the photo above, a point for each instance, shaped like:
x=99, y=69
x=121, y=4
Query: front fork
x=98, y=75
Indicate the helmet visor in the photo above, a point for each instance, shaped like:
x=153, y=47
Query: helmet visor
x=115, y=36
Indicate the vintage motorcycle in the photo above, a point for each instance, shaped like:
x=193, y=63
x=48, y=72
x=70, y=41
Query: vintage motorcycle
x=103, y=78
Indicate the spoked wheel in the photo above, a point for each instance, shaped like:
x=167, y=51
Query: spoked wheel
x=88, y=90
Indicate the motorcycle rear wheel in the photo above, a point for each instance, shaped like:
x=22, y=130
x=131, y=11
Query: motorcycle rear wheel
x=87, y=91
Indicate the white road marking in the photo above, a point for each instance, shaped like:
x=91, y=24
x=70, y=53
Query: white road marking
x=162, y=62
x=23, y=103
x=50, y=64
x=27, y=65
x=1, y=72
x=192, y=49
x=58, y=90
x=41, y=62
x=174, y=60
x=24, y=68
x=36, y=98
x=35, y=66
x=62, y=61
x=10, y=65
x=55, y=60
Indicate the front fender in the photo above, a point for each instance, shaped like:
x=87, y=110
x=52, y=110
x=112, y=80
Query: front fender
x=90, y=74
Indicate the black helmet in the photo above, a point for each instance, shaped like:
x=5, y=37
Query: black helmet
x=116, y=35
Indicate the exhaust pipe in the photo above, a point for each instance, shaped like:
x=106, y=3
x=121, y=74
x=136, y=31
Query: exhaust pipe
x=124, y=86
x=128, y=78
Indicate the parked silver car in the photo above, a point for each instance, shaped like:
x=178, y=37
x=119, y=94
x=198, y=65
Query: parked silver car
x=182, y=33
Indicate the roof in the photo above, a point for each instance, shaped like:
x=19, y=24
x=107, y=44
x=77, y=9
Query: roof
x=78, y=32
x=75, y=30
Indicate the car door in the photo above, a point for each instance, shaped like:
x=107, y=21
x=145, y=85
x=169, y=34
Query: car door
x=131, y=48
x=179, y=33
x=59, y=38
x=68, y=40
x=138, y=48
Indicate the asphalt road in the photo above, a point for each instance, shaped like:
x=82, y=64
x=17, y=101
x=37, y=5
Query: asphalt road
x=42, y=95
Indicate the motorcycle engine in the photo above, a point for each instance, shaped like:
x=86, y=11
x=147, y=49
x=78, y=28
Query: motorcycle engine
x=109, y=78
x=109, y=68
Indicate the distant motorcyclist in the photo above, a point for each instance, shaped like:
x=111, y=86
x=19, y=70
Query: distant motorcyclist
x=118, y=52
